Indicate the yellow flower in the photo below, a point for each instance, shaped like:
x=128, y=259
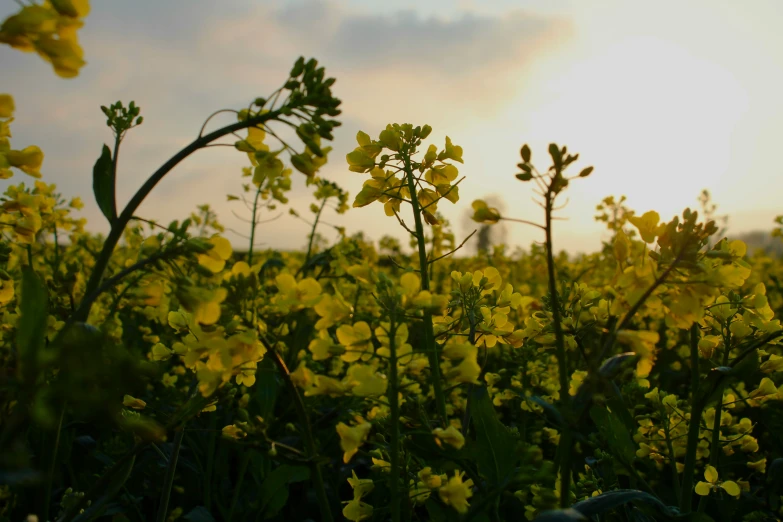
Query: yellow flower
x=360, y=486
x=450, y=435
x=303, y=377
x=707, y=345
x=357, y=341
x=161, y=353
x=6, y=106
x=759, y=465
x=203, y=304
x=6, y=288
x=356, y=510
x=332, y=309
x=647, y=225
x=430, y=480
x=713, y=484
x=323, y=347
x=132, y=402
x=466, y=371
x=28, y=160
x=577, y=378
x=766, y=391
x=453, y=152
x=324, y=385
x=484, y=214
x=490, y=275
x=365, y=381
x=215, y=259
x=643, y=343
x=233, y=432
x=352, y=438
x=622, y=248
x=293, y=294
x=456, y=493
x=381, y=465
x=72, y=8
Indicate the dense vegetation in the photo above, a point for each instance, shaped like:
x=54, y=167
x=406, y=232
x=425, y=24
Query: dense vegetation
x=162, y=373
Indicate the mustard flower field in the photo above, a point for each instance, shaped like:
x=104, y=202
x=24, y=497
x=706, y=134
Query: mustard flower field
x=162, y=372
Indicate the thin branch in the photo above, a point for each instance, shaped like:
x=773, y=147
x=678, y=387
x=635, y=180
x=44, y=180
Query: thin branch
x=452, y=251
x=201, y=132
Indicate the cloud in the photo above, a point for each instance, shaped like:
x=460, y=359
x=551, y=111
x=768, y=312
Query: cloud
x=181, y=60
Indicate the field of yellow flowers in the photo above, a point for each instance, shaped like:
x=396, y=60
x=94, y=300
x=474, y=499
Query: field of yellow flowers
x=162, y=373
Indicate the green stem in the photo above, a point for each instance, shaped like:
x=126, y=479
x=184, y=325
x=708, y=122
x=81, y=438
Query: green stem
x=429, y=331
x=670, y=448
x=472, y=341
x=565, y=450
x=238, y=486
x=686, y=493
x=101, y=483
x=56, y=245
x=168, y=481
x=50, y=478
x=715, y=442
x=211, y=446
x=118, y=227
x=253, y=228
x=312, y=233
x=394, y=408
x=307, y=434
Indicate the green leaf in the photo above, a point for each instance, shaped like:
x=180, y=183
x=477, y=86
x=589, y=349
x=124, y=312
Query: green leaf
x=272, y=262
x=496, y=446
x=199, y=514
x=549, y=410
x=610, y=366
x=274, y=490
x=103, y=184
x=614, y=432
x=557, y=156
x=304, y=164
x=525, y=153
x=98, y=507
x=606, y=502
x=561, y=515
x=32, y=326
x=616, y=403
x=265, y=390
x=436, y=512
x=720, y=377
x=774, y=482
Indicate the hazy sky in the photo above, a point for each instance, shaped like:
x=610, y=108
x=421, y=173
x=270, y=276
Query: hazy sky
x=663, y=98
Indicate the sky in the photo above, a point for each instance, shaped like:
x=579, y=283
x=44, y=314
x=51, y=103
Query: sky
x=663, y=98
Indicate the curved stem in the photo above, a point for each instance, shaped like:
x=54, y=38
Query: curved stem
x=253, y=225
x=168, y=481
x=307, y=434
x=127, y=214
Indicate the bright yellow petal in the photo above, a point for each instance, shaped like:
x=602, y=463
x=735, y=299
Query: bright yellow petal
x=711, y=475
x=6, y=106
x=703, y=489
x=731, y=488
